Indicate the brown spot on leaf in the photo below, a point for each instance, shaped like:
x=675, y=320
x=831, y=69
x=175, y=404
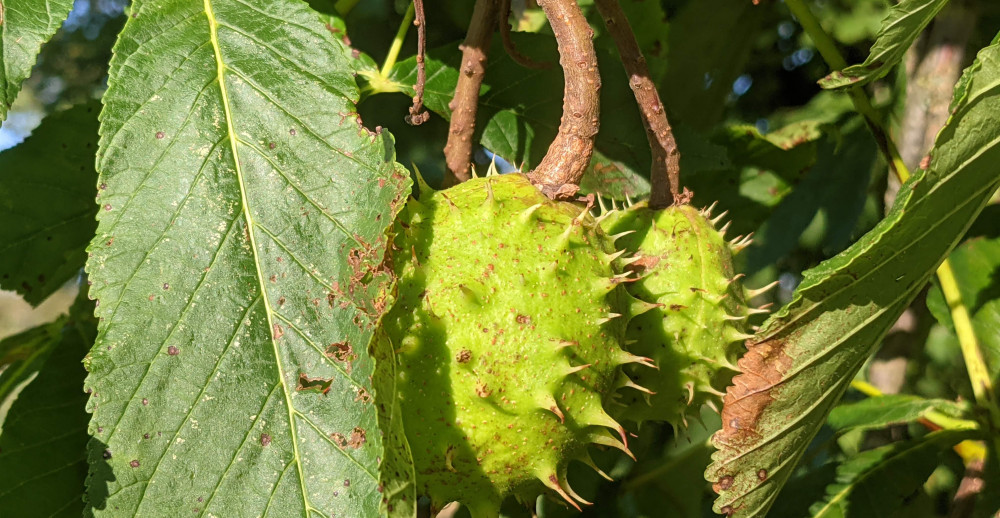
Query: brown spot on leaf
x=762, y=367
x=277, y=331
x=463, y=356
x=134, y=463
x=265, y=439
x=762, y=474
x=172, y=350
x=358, y=438
x=339, y=440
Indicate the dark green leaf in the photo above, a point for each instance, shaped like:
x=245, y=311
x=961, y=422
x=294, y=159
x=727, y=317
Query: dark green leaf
x=900, y=28
x=875, y=483
x=879, y=412
x=24, y=26
x=804, y=357
x=833, y=190
x=23, y=354
x=47, y=187
x=758, y=174
x=710, y=44
x=670, y=485
x=43, y=460
x=236, y=268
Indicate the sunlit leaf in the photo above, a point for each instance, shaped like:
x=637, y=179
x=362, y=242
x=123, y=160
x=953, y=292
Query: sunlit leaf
x=804, y=357
x=24, y=26
x=236, y=267
x=900, y=28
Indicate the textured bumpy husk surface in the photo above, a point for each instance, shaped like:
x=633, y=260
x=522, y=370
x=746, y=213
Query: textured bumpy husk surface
x=507, y=331
x=695, y=333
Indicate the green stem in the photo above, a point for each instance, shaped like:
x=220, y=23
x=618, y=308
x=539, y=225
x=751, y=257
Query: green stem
x=974, y=364
x=397, y=43
x=979, y=374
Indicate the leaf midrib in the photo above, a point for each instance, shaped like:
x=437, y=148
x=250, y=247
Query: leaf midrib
x=251, y=225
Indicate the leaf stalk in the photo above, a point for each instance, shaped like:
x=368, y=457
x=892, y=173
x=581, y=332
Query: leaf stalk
x=397, y=43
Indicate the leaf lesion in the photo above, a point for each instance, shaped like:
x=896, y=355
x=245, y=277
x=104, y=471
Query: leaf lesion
x=319, y=350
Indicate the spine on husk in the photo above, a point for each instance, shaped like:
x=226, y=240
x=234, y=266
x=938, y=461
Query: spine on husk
x=684, y=266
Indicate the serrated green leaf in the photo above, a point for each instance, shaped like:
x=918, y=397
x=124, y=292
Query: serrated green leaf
x=236, y=267
x=900, y=28
x=879, y=412
x=24, y=26
x=804, y=357
x=875, y=483
x=43, y=460
x=47, y=185
x=976, y=264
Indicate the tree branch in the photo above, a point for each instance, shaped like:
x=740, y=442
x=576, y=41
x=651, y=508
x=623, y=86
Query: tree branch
x=508, y=44
x=559, y=173
x=417, y=114
x=465, y=103
x=664, y=173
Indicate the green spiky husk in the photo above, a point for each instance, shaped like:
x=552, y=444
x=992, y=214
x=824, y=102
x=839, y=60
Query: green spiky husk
x=502, y=296
x=695, y=334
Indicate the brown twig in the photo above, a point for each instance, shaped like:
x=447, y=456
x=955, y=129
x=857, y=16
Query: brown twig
x=664, y=172
x=508, y=44
x=475, y=51
x=972, y=485
x=417, y=114
x=559, y=173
